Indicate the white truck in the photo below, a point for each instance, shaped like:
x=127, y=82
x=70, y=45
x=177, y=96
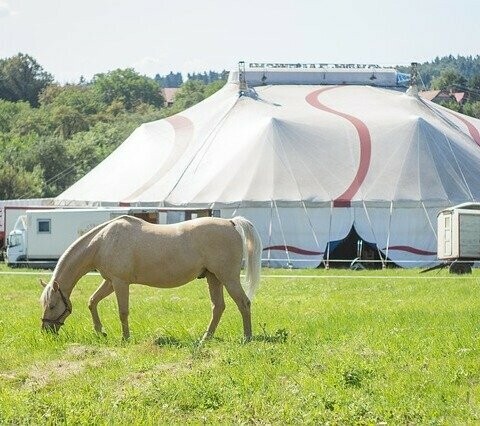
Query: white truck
x=40, y=237
x=10, y=210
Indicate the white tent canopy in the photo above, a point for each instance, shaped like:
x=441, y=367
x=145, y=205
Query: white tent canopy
x=305, y=162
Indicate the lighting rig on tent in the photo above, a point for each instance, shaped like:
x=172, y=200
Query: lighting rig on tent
x=243, y=88
x=273, y=65
x=413, y=89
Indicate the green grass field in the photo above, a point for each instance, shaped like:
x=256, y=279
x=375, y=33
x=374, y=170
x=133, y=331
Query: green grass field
x=397, y=347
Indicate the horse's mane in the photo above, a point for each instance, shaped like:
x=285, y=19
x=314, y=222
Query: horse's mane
x=45, y=297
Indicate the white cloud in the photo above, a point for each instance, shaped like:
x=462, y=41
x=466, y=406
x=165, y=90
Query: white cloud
x=5, y=9
x=197, y=65
x=150, y=66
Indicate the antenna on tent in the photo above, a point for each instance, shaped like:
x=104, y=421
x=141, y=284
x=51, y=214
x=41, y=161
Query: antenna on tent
x=413, y=89
x=242, y=78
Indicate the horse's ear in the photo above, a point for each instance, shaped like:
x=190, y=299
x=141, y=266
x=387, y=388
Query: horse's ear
x=55, y=286
x=42, y=283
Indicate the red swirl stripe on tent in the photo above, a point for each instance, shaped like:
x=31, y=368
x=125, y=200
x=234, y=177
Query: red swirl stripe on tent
x=365, y=146
x=412, y=250
x=474, y=133
x=183, y=128
x=293, y=249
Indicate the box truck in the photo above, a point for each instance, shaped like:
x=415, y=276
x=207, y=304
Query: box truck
x=40, y=237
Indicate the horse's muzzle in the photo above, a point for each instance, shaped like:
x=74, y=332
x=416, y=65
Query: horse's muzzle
x=49, y=327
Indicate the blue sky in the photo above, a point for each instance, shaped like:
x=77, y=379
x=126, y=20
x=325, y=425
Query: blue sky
x=74, y=38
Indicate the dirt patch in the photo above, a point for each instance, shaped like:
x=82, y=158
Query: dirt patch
x=77, y=359
x=8, y=377
x=42, y=374
x=82, y=352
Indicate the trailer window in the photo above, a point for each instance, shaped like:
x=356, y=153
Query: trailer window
x=43, y=226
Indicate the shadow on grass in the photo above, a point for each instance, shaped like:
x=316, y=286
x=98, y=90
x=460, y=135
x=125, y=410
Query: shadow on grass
x=171, y=341
x=279, y=336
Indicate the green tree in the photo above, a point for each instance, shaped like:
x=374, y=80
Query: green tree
x=32, y=121
x=194, y=91
x=22, y=79
x=9, y=112
x=129, y=87
x=191, y=93
x=474, y=82
x=68, y=121
x=474, y=87
x=472, y=109
x=82, y=98
x=50, y=155
x=74, y=108
x=214, y=87
x=448, y=79
x=170, y=80
x=16, y=182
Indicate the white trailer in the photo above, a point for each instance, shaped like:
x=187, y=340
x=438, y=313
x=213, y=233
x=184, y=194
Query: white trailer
x=40, y=237
x=458, y=240
x=459, y=232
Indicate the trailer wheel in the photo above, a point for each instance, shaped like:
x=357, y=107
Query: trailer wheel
x=460, y=268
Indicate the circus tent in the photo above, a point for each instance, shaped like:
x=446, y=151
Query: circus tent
x=306, y=154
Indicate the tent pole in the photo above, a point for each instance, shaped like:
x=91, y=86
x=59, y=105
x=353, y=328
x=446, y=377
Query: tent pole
x=373, y=233
x=289, y=262
x=429, y=221
x=389, y=229
x=311, y=225
x=327, y=263
x=270, y=232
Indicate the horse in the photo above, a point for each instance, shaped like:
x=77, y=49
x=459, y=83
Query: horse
x=128, y=250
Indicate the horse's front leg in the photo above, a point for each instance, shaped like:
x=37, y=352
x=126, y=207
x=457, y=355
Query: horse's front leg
x=122, y=292
x=102, y=291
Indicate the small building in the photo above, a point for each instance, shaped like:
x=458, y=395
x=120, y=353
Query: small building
x=444, y=95
x=169, y=95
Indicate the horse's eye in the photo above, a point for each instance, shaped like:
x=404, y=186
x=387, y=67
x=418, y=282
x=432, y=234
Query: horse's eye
x=51, y=306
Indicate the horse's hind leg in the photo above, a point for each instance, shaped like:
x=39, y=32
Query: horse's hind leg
x=236, y=292
x=215, y=288
x=102, y=291
x=122, y=292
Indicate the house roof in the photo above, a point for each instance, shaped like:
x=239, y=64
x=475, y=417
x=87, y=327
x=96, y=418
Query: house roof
x=169, y=94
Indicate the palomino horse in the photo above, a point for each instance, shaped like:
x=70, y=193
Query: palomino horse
x=129, y=250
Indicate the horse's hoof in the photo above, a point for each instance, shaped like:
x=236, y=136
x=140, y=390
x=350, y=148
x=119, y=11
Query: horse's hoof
x=206, y=336
x=246, y=339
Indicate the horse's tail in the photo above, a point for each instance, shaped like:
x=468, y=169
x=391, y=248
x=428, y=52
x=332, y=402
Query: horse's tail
x=252, y=253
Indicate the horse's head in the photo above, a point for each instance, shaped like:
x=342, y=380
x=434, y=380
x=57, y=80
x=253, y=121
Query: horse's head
x=56, y=306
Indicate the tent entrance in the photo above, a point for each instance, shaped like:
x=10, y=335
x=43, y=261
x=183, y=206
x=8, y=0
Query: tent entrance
x=354, y=252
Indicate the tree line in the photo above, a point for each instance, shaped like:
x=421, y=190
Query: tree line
x=173, y=80
x=53, y=134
